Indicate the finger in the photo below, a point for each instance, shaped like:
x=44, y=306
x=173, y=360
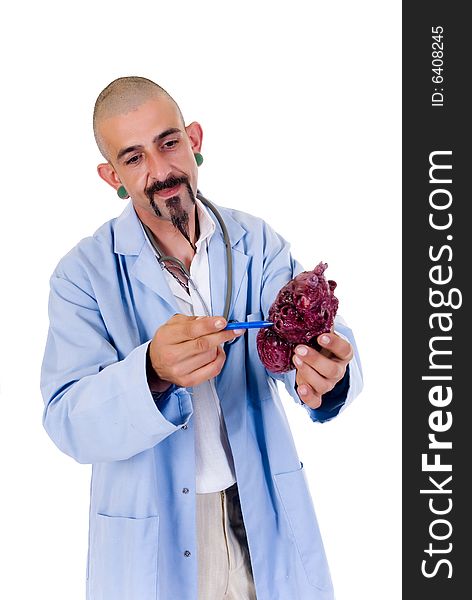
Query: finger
x=208, y=371
x=321, y=385
x=181, y=328
x=341, y=348
x=185, y=366
x=327, y=366
x=309, y=396
x=207, y=342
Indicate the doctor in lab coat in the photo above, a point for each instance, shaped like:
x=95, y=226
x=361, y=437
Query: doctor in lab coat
x=123, y=365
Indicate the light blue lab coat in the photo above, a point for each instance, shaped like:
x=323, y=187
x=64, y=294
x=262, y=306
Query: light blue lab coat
x=108, y=297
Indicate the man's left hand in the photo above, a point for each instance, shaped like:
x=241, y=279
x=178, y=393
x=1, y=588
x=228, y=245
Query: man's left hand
x=319, y=371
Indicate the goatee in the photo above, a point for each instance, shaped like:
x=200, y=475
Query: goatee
x=179, y=216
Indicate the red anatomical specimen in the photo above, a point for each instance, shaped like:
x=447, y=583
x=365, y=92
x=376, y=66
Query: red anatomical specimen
x=304, y=308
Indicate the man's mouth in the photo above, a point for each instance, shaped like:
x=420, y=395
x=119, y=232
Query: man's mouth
x=166, y=189
x=168, y=192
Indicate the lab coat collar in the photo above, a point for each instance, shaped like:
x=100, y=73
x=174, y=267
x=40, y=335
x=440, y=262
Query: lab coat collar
x=129, y=236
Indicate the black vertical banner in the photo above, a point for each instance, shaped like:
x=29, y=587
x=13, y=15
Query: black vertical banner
x=437, y=330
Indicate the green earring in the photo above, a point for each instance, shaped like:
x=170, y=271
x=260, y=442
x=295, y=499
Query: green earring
x=122, y=193
x=198, y=158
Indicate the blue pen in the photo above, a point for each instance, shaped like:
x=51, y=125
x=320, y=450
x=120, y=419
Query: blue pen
x=248, y=324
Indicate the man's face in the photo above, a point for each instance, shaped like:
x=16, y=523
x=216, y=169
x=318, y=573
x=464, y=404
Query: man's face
x=151, y=154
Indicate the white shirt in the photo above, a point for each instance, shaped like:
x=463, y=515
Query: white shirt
x=214, y=460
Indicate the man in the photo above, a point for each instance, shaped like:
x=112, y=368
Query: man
x=197, y=490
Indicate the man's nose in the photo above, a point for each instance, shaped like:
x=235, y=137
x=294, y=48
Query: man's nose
x=158, y=166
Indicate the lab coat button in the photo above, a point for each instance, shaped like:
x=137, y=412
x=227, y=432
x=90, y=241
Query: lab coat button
x=185, y=491
x=187, y=553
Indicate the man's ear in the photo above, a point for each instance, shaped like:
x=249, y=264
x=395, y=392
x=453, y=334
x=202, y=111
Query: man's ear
x=195, y=134
x=108, y=174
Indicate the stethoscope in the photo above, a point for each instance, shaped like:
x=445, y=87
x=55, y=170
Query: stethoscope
x=162, y=258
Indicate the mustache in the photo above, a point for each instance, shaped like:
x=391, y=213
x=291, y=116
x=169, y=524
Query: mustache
x=170, y=182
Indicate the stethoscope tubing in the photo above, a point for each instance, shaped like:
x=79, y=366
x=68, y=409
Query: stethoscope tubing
x=229, y=257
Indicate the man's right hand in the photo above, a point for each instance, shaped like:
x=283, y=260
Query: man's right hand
x=186, y=350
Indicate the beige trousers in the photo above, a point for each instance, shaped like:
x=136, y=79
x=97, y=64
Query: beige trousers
x=224, y=566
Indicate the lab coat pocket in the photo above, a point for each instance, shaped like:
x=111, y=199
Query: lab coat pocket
x=123, y=558
x=296, y=500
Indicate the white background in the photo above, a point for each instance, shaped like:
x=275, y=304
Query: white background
x=300, y=107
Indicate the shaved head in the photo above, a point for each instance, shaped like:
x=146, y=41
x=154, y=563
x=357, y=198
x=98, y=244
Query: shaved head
x=121, y=96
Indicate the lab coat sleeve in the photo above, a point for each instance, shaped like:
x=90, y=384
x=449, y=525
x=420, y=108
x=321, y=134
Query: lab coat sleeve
x=99, y=408
x=279, y=268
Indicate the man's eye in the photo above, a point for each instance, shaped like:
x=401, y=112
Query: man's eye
x=133, y=160
x=170, y=144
